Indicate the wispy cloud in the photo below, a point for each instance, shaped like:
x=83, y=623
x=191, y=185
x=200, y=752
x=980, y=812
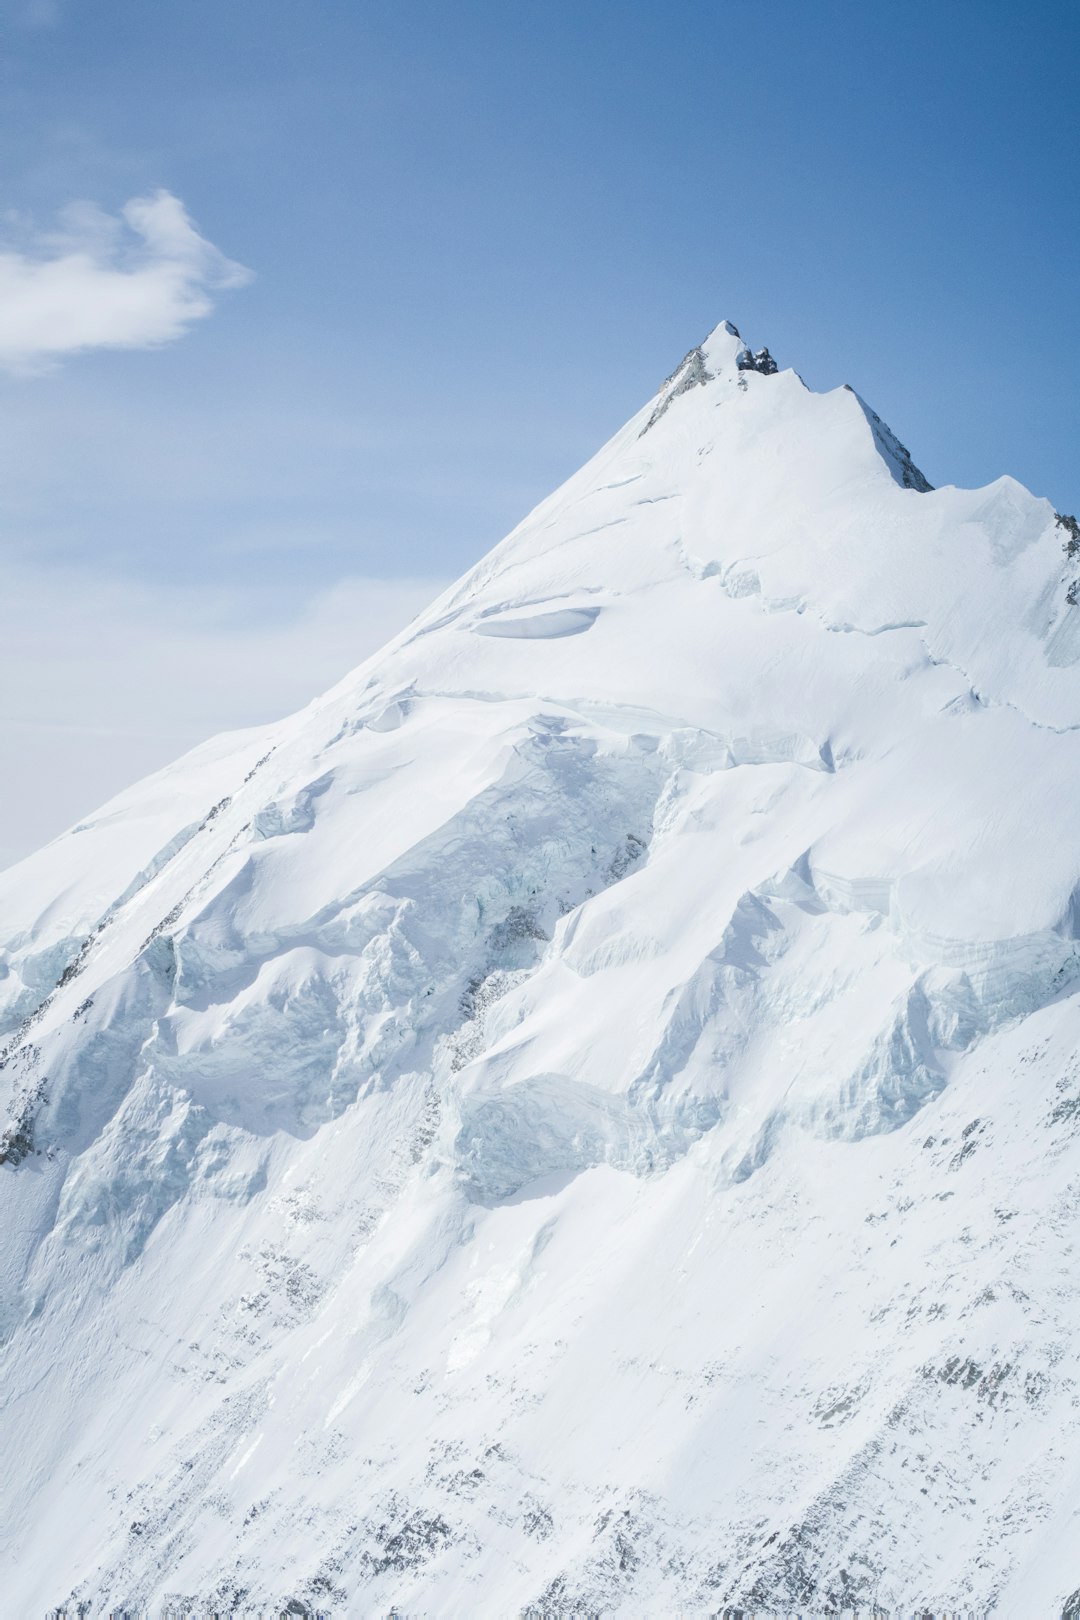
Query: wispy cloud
x=105, y=680
x=99, y=281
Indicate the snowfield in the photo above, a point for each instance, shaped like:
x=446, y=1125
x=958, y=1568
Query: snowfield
x=585, y=1117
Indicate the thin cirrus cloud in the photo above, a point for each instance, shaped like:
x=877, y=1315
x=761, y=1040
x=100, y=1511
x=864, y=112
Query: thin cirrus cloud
x=103, y=282
x=113, y=679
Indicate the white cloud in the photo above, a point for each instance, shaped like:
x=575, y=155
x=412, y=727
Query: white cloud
x=103, y=282
x=105, y=681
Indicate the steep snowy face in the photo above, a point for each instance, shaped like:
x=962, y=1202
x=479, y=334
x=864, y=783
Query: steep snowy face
x=516, y=1132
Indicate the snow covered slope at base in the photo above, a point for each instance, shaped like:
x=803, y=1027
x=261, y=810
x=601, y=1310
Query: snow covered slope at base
x=583, y=1117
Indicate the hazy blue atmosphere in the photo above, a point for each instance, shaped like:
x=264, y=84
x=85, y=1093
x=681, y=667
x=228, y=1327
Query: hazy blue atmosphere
x=454, y=247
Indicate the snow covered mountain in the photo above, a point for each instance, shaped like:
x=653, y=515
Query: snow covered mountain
x=582, y=1118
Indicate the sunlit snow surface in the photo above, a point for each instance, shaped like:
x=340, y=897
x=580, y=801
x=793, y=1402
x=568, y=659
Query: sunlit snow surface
x=583, y=1117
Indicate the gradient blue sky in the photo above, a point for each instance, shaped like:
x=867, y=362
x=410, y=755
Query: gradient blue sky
x=480, y=235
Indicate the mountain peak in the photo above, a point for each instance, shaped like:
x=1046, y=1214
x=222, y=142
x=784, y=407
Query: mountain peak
x=545, y=1123
x=722, y=345
x=724, y=348
x=721, y=354
x=724, y=356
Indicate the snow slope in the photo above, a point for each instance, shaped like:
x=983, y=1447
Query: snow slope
x=582, y=1118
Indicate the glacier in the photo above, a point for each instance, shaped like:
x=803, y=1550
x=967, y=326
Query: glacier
x=583, y=1118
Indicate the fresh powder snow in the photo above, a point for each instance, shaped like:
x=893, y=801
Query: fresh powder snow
x=584, y=1117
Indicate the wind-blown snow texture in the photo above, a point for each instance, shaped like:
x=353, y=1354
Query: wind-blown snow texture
x=584, y=1117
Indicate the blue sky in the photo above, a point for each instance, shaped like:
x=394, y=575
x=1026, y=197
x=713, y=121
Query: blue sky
x=478, y=236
